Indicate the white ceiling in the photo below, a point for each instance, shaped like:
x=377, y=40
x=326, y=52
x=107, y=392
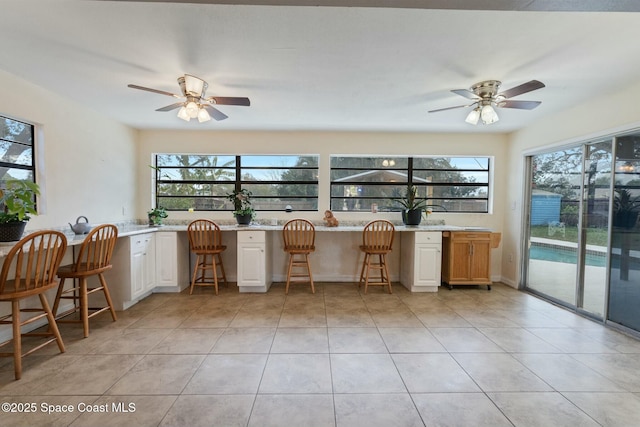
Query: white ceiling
x=317, y=68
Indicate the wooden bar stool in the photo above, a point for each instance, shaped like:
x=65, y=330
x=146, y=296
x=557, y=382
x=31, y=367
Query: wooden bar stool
x=377, y=239
x=299, y=237
x=30, y=269
x=205, y=240
x=94, y=258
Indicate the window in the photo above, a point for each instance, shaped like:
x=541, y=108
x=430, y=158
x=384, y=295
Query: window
x=457, y=184
x=16, y=151
x=203, y=181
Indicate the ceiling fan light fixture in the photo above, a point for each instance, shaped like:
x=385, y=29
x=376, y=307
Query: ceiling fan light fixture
x=192, y=109
x=473, y=116
x=203, y=115
x=194, y=85
x=182, y=113
x=488, y=115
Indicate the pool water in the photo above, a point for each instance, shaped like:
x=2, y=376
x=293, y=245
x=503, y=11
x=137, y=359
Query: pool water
x=565, y=255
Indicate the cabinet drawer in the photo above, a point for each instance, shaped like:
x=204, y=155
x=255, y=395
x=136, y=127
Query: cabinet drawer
x=470, y=235
x=140, y=241
x=429, y=237
x=251, y=237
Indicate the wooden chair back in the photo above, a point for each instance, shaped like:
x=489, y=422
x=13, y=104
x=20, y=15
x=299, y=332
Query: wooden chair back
x=204, y=235
x=96, y=249
x=299, y=235
x=30, y=266
x=378, y=235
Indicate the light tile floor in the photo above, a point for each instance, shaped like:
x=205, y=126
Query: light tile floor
x=465, y=357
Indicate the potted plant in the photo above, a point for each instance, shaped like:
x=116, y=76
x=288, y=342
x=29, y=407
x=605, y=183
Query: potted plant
x=17, y=201
x=242, y=209
x=156, y=215
x=625, y=208
x=413, y=206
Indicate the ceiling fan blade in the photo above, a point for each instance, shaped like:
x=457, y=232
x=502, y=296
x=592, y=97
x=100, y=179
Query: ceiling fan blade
x=466, y=93
x=215, y=113
x=522, y=105
x=171, y=107
x=229, y=100
x=161, y=92
x=523, y=88
x=449, y=108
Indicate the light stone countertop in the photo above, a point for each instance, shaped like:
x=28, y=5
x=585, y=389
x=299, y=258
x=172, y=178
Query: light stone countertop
x=131, y=229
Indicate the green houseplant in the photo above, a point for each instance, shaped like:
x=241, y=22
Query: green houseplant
x=242, y=209
x=413, y=206
x=17, y=202
x=156, y=215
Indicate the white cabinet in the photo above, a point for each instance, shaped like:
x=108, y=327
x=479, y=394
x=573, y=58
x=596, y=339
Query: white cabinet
x=421, y=261
x=254, y=261
x=172, y=261
x=133, y=274
x=143, y=264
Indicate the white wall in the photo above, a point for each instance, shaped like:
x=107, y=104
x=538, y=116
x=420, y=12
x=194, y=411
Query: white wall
x=89, y=160
x=612, y=114
x=325, y=144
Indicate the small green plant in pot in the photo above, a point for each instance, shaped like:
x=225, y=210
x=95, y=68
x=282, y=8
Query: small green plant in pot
x=156, y=215
x=414, y=206
x=242, y=209
x=17, y=202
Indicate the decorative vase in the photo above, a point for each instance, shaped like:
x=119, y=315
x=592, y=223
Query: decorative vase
x=244, y=219
x=412, y=216
x=12, y=231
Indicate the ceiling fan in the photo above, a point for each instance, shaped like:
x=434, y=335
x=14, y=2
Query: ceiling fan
x=195, y=104
x=486, y=96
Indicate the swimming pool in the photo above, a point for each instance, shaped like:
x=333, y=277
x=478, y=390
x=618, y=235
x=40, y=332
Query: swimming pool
x=566, y=255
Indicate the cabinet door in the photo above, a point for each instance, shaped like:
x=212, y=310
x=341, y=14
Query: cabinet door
x=167, y=259
x=137, y=273
x=149, y=263
x=428, y=262
x=460, y=262
x=251, y=264
x=480, y=261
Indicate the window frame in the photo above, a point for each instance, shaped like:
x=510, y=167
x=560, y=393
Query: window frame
x=27, y=167
x=408, y=173
x=238, y=182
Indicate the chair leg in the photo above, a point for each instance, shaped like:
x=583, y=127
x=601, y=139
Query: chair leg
x=386, y=272
x=84, y=306
x=364, y=263
x=195, y=272
x=17, y=339
x=214, y=267
x=107, y=296
x=56, y=302
x=286, y=289
x=53, y=326
x=366, y=280
x=306, y=258
x=224, y=276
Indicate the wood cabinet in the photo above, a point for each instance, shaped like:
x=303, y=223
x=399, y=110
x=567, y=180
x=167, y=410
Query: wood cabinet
x=467, y=257
x=254, y=261
x=421, y=261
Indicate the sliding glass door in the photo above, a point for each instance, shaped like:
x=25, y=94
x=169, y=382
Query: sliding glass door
x=624, y=282
x=554, y=206
x=568, y=226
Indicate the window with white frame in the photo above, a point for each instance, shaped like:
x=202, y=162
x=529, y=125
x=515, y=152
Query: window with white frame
x=452, y=184
x=202, y=181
